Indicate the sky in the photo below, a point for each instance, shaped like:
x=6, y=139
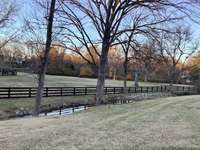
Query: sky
x=25, y=8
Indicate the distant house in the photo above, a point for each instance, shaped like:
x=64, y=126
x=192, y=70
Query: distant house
x=185, y=77
x=8, y=72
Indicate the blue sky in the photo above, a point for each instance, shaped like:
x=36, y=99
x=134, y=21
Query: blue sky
x=24, y=9
x=27, y=7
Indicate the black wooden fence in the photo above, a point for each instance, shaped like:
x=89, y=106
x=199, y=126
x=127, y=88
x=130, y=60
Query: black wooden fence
x=28, y=92
x=8, y=72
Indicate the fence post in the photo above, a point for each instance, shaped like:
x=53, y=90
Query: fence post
x=29, y=93
x=129, y=89
x=122, y=90
x=74, y=91
x=85, y=90
x=106, y=90
x=61, y=91
x=161, y=88
x=114, y=90
x=135, y=89
x=9, y=91
x=147, y=89
x=47, y=90
x=141, y=89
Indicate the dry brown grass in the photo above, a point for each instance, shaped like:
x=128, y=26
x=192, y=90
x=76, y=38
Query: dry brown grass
x=166, y=123
x=8, y=107
x=24, y=79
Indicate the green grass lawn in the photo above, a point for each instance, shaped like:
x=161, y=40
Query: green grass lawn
x=24, y=79
x=161, y=124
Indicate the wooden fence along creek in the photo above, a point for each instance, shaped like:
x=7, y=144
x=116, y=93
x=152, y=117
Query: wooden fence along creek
x=55, y=110
x=28, y=92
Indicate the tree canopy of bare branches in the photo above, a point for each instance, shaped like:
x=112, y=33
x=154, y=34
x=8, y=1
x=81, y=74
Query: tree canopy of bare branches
x=176, y=48
x=99, y=21
x=7, y=11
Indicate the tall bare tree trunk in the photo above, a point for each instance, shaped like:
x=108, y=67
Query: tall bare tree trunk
x=101, y=73
x=125, y=71
x=114, y=74
x=136, y=79
x=173, y=76
x=146, y=75
x=44, y=61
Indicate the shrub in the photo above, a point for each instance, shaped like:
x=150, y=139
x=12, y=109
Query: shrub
x=86, y=71
x=195, y=77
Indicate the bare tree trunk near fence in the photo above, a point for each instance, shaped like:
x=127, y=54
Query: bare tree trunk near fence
x=136, y=76
x=125, y=71
x=102, y=72
x=44, y=62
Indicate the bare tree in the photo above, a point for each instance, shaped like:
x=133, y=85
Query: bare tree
x=11, y=55
x=43, y=68
x=148, y=57
x=7, y=10
x=134, y=49
x=76, y=37
x=103, y=21
x=114, y=62
x=176, y=48
x=126, y=46
x=7, y=13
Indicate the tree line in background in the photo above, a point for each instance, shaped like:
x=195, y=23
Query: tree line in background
x=151, y=67
x=145, y=40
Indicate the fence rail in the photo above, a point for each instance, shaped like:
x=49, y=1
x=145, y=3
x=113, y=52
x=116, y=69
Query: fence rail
x=28, y=92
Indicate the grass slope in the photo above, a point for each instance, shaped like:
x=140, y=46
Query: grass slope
x=8, y=107
x=31, y=80
x=161, y=124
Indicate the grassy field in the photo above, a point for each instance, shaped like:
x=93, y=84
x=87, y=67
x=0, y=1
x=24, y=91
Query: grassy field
x=24, y=79
x=160, y=124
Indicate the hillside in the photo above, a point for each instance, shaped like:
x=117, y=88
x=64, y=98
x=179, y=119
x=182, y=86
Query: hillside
x=24, y=79
x=166, y=123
